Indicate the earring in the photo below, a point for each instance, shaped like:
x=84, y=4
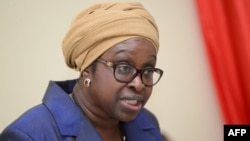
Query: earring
x=87, y=82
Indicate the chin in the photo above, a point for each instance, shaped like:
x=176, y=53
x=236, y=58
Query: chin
x=128, y=117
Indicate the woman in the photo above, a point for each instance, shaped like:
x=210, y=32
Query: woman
x=114, y=47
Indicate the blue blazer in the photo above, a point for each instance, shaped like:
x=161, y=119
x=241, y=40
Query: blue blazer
x=58, y=118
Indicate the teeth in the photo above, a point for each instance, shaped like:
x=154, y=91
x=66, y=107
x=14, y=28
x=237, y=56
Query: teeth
x=131, y=102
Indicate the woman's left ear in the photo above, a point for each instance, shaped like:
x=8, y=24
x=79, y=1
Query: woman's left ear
x=86, y=72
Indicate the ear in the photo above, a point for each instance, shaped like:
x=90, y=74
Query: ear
x=86, y=72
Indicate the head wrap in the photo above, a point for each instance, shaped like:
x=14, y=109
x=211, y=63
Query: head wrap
x=103, y=25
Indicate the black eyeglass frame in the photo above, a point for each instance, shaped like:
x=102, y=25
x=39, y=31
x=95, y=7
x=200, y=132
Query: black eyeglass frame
x=113, y=65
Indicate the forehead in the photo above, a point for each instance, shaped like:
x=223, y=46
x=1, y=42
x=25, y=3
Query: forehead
x=133, y=46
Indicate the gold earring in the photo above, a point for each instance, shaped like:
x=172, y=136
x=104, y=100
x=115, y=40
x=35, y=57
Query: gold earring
x=87, y=82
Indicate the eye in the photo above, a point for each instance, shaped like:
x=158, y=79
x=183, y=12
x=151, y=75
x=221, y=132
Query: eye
x=124, y=69
x=148, y=73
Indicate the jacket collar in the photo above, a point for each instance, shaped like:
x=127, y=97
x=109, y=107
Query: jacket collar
x=65, y=112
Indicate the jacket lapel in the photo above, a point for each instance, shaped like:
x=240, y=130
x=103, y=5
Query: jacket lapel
x=141, y=129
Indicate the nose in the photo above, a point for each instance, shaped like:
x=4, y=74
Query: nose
x=136, y=84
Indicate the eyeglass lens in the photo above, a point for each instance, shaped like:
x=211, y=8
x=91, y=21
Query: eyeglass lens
x=126, y=73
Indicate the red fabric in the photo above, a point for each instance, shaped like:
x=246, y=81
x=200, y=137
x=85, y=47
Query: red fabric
x=226, y=30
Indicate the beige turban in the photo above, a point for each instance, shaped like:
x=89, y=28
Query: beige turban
x=104, y=25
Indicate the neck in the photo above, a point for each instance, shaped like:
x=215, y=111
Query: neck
x=107, y=127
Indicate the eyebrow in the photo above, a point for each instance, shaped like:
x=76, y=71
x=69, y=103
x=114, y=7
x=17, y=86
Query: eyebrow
x=125, y=51
x=120, y=51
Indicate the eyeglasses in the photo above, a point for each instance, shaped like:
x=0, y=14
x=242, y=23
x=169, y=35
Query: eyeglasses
x=125, y=73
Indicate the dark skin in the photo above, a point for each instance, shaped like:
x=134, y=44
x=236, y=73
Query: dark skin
x=103, y=102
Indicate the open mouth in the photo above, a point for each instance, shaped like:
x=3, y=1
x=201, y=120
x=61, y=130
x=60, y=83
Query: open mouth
x=131, y=102
x=133, y=105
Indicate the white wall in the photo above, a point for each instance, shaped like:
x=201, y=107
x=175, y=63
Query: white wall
x=30, y=55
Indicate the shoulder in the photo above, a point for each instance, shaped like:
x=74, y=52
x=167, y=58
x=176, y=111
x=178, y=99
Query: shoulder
x=38, y=115
x=14, y=134
x=30, y=125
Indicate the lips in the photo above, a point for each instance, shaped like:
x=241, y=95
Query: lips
x=132, y=104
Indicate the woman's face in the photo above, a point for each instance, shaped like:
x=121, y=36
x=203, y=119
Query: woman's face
x=117, y=100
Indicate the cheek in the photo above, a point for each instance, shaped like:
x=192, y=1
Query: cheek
x=105, y=87
x=104, y=80
x=148, y=92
